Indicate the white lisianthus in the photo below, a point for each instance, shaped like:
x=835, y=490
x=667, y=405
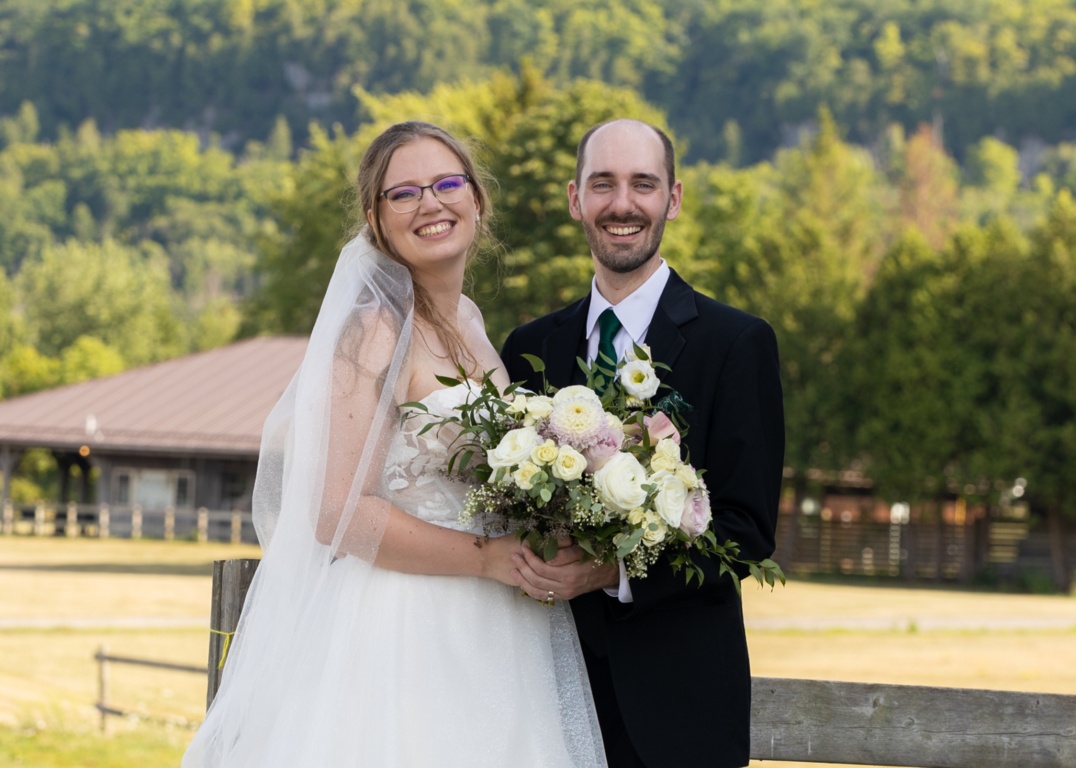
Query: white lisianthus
x=687, y=476
x=518, y=406
x=666, y=456
x=630, y=355
x=544, y=453
x=579, y=419
x=569, y=464
x=524, y=476
x=515, y=447
x=620, y=482
x=654, y=530
x=639, y=379
x=670, y=498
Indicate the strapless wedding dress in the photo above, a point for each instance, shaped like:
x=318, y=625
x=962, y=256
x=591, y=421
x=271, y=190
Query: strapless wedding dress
x=408, y=670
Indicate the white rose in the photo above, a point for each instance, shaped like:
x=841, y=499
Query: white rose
x=620, y=482
x=666, y=456
x=670, y=498
x=539, y=406
x=569, y=464
x=654, y=530
x=544, y=453
x=514, y=448
x=639, y=379
x=524, y=476
x=687, y=476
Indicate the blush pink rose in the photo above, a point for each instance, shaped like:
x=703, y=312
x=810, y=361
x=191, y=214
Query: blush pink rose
x=660, y=426
x=697, y=515
x=601, y=451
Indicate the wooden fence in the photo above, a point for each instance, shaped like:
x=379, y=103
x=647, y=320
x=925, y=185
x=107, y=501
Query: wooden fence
x=128, y=522
x=999, y=550
x=104, y=707
x=819, y=721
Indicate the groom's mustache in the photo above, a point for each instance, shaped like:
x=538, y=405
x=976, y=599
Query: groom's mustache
x=623, y=220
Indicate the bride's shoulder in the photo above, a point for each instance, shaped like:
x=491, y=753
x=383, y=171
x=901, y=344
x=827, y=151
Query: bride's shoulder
x=469, y=312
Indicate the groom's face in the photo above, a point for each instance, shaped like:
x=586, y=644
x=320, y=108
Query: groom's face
x=623, y=197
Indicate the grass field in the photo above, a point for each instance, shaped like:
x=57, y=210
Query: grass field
x=62, y=599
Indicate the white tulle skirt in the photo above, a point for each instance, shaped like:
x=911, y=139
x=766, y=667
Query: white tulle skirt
x=359, y=666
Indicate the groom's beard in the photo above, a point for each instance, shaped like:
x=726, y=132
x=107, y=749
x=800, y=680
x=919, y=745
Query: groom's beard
x=624, y=257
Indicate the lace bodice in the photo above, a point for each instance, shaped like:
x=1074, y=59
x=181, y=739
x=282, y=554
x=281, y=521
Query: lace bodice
x=415, y=476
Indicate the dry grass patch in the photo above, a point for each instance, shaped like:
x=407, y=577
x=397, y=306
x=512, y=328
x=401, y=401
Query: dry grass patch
x=122, y=592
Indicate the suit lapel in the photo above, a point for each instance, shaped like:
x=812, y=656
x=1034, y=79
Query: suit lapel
x=676, y=307
x=564, y=344
x=567, y=340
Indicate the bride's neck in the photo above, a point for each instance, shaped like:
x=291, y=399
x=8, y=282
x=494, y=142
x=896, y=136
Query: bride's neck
x=443, y=293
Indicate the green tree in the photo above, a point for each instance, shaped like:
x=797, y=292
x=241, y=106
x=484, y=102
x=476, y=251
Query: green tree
x=117, y=294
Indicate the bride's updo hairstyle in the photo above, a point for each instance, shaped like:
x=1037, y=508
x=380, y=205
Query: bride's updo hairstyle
x=371, y=176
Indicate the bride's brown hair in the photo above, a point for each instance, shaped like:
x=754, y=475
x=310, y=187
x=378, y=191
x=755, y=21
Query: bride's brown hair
x=372, y=169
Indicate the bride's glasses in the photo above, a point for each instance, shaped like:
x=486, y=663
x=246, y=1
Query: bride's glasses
x=406, y=198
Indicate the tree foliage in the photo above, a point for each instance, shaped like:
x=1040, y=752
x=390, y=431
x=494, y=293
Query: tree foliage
x=734, y=77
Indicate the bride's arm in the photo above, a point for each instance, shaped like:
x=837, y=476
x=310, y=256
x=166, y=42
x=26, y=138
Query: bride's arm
x=358, y=442
x=415, y=546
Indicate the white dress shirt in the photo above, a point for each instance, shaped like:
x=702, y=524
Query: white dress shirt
x=634, y=313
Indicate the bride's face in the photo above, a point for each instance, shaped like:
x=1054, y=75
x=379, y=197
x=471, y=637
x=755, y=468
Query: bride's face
x=436, y=233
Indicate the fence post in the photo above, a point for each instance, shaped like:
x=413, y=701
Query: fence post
x=237, y=527
x=102, y=522
x=71, y=523
x=169, y=523
x=39, y=519
x=136, y=521
x=9, y=517
x=102, y=686
x=203, y=525
x=231, y=580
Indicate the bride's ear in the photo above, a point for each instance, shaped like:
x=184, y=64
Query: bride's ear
x=374, y=227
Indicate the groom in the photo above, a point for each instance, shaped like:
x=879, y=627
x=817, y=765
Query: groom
x=667, y=662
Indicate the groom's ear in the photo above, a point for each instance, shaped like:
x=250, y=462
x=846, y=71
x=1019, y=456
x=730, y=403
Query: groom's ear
x=573, y=202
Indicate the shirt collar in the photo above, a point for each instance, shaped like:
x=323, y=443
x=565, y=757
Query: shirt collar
x=636, y=311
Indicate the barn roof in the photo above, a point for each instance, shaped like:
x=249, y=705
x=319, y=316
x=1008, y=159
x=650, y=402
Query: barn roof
x=209, y=403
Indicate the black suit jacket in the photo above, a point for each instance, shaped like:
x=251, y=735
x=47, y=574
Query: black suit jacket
x=678, y=654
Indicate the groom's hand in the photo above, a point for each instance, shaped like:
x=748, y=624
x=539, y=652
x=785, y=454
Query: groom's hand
x=567, y=575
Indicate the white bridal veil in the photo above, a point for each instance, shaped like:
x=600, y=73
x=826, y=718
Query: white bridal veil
x=306, y=671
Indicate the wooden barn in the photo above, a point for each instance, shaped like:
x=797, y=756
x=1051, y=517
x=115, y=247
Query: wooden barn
x=182, y=434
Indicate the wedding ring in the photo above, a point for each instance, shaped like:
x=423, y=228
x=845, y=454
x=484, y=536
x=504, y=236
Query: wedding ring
x=549, y=598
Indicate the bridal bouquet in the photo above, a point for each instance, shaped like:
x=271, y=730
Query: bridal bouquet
x=604, y=470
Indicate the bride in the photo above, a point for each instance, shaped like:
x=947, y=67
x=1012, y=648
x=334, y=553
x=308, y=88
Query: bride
x=379, y=632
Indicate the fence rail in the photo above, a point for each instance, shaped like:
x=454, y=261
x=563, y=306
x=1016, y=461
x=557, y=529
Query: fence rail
x=104, y=659
x=105, y=521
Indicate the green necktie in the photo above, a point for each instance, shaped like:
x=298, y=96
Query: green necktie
x=608, y=325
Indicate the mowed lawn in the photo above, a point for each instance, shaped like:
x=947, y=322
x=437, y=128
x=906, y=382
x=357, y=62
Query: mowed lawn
x=62, y=599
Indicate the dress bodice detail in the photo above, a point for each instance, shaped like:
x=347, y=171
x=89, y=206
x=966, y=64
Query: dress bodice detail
x=415, y=470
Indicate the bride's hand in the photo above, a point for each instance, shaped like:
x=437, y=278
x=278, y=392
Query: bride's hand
x=498, y=558
x=566, y=576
